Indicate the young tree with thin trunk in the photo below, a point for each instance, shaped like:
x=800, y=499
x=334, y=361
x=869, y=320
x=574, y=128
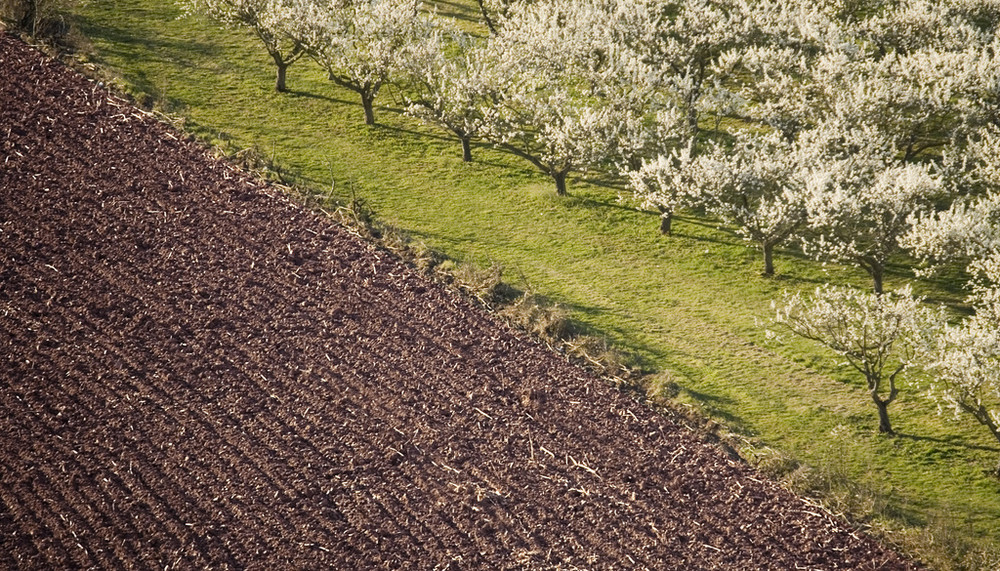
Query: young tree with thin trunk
x=859, y=198
x=552, y=132
x=258, y=17
x=666, y=184
x=443, y=84
x=965, y=363
x=359, y=44
x=877, y=334
x=548, y=68
x=756, y=185
x=965, y=359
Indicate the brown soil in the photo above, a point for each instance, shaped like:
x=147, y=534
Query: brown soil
x=197, y=373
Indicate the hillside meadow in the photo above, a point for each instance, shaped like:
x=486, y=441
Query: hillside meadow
x=693, y=306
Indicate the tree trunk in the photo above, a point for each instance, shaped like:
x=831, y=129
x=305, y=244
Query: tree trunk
x=982, y=414
x=692, y=121
x=368, y=101
x=634, y=162
x=884, y=426
x=467, y=149
x=279, y=81
x=486, y=17
x=666, y=220
x=768, y=259
x=877, y=271
x=692, y=107
x=560, y=178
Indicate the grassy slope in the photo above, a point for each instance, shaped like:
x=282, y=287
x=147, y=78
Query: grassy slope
x=689, y=304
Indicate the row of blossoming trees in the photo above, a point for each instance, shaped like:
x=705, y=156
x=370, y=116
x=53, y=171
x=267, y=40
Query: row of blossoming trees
x=859, y=129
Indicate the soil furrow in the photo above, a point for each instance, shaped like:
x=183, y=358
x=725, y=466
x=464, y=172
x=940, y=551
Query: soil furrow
x=81, y=461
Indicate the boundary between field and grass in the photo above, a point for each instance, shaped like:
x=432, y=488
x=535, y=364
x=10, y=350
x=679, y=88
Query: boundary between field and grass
x=872, y=500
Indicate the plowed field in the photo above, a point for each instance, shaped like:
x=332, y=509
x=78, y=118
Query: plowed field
x=197, y=373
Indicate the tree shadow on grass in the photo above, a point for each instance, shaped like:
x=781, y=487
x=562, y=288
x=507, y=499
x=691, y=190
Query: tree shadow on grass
x=713, y=227
x=576, y=201
x=166, y=49
x=420, y=134
x=477, y=145
x=953, y=442
x=719, y=407
x=608, y=180
x=795, y=280
x=310, y=95
x=456, y=10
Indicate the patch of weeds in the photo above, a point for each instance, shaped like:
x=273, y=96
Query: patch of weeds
x=549, y=323
x=602, y=355
x=359, y=213
x=770, y=462
x=943, y=545
x=486, y=285
x=867, y=499
x=661, y=385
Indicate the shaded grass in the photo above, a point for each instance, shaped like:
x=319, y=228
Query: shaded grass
x=692, y=305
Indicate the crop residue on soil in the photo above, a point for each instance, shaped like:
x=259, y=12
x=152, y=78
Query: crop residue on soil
x=197, y=373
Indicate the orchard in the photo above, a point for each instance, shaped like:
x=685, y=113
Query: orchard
x=860, y=132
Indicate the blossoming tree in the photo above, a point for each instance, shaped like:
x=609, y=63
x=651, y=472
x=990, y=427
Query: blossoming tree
x=359, y=44
x=877, y=334
x=258, y=17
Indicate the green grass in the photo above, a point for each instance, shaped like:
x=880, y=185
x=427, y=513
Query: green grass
x=692, y=305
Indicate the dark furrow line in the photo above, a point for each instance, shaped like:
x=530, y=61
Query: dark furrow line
x=247, y=450
x=69, y=503
x=410, y=479
x=89, y=410
x=16, y=499
x=113, y=349
x=77, y=457
x=482, y=476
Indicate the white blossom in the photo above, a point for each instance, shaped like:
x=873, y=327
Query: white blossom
x=665, y=183
x=965, y=363
x=913, y=25
x=756, y=185
x=969, y=230
x=859, y=199
x=550, y=66
x=446, y=84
